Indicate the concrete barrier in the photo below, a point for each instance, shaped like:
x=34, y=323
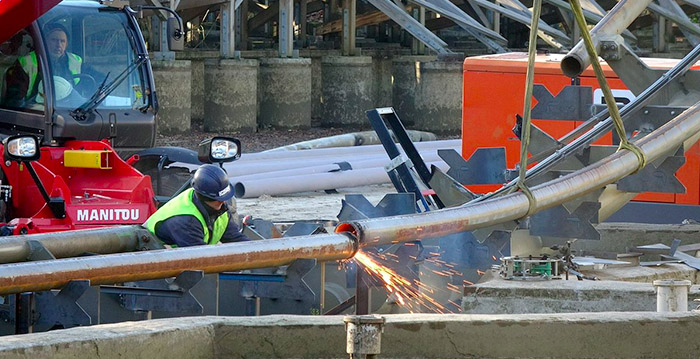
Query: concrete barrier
x=173, y=81
x=407, y=74
x=347, y=90
x=580, y=335
x=230, y=95
x=285, y=93
x=196, y=59
x=438, y=97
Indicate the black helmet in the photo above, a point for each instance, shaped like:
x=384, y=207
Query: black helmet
x=212, y=182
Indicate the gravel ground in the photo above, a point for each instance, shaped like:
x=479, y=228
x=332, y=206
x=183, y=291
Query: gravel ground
x=263, y=139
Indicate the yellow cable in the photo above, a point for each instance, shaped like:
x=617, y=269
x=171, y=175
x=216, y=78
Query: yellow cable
x=602, y=81
x=527, y=110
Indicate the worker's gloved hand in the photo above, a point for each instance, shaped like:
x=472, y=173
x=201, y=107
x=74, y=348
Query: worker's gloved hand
x=248, y=221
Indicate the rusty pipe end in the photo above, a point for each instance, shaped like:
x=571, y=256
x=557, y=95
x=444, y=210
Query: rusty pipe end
x=352, y=231
x=573, y=64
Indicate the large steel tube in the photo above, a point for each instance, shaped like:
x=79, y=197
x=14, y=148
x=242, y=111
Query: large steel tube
x=613, y=24
x=316, y=182
x=74, y=243
x=126, y=267
x=334, y=151
x=355, y=164
x=681, y=130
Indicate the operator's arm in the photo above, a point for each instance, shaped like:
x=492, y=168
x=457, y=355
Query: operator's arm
x=182, y=231
x=233, y=233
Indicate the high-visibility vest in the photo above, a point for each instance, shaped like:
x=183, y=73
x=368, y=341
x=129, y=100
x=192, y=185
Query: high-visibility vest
x=30, y=65
x=183, y=205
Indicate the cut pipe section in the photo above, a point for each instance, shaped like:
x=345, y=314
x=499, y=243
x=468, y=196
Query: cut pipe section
x=613, y=24
x=128, y=267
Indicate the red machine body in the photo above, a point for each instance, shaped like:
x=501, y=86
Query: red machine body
x=94, y=197
x=17, y=14
x=88, y=195
x=493, y=94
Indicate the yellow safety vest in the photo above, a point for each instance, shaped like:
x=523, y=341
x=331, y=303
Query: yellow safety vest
x=182, y=205
x=30, y=65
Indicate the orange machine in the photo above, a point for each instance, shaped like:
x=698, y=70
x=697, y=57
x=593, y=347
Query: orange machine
x=494, y=87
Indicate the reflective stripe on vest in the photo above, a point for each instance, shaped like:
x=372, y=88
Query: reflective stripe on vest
x=183, y=205
x=30, y=65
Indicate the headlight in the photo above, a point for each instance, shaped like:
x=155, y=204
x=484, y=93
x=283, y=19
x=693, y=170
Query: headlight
x=22, y=148
x=219, y=149
x=222, y=149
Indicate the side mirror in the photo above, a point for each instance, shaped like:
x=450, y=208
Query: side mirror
x=219, y=150
x=176, y=40
x=22, y=148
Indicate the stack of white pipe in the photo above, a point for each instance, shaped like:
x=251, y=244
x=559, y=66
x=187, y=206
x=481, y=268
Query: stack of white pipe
x=277, y=173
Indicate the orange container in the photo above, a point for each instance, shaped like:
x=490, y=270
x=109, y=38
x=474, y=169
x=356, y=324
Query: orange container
x=494, y=89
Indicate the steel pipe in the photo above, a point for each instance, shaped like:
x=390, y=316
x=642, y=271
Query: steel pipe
x=335, y=151
x=349, y=140
x=371, y=232
x=74, y=243
x=613, y=24
x=355, y=164
x=127, y=267
x=316, y=182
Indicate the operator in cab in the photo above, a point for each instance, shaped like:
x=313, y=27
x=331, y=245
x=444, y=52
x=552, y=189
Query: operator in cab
x=24, y=79
x=199, y=215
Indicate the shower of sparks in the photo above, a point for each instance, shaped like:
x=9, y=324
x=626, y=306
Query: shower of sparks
x=413, y=295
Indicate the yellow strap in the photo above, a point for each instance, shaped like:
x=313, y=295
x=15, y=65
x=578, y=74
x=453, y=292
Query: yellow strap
x=607, y=93
x=527, y=109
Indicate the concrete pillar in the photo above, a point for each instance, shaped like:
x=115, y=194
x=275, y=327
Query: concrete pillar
x=230, y=95
x=196, y=59
x=382, y=76
x=406, y=71
x=671, y=295
x=173, y=82
x=316, y=91
x=285, y=93
x=435, y=105
x=347, y=90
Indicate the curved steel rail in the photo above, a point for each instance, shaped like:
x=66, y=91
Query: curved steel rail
x=682, y=130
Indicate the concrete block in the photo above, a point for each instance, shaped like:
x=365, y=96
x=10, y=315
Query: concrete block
x=230, y=96
x=574, y=335
x=285, y=93
x=173, y=81
x=499, y=296
x=438, y=98
x=173, y=338
x=347, y=90
x=407, y=74
x=196, y=59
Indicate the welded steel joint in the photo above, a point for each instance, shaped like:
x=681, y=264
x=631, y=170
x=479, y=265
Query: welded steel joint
x=364, y=335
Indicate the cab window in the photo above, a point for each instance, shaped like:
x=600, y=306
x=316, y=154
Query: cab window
x=21, y=87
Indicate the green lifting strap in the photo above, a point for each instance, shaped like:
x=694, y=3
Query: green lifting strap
x=607, y=93
x=527, y=109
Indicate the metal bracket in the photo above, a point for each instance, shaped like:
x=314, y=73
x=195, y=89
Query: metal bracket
x=356, y=206
x=485, y=166
x=572, y=103
x=37, y=251
x=160, y=295
x=656, y=178
x=560, y=223
x=402, y=176
x=62, y=309
x=450, y=191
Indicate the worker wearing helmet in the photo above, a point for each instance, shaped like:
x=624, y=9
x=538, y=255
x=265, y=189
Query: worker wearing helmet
x=24, y=78
x=199, y=215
